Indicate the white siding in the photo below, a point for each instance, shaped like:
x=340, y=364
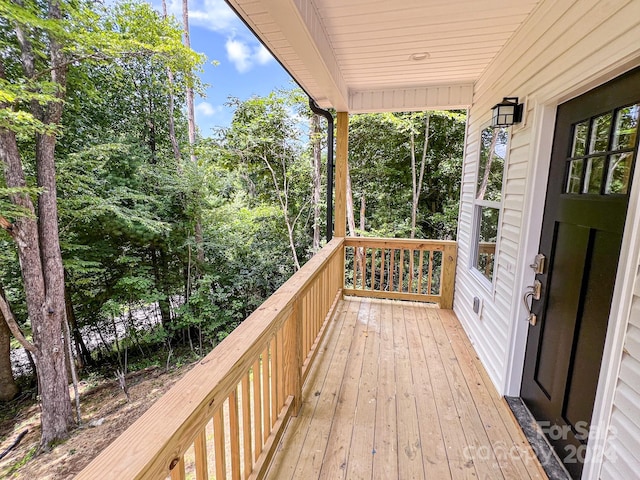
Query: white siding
x=564, y=49
x=622, y=455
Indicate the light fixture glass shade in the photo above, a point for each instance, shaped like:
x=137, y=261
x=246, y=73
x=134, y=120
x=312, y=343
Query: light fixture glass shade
x=506, y=113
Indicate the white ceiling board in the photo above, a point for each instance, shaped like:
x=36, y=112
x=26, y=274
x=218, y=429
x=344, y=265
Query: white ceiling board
x=350, y=54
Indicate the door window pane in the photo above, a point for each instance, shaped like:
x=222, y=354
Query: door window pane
x=575, y=176
x=487, y=238
x=619, y=171
x=580, y=139
x=600, y=133
x=593, y=175
x=626, y=130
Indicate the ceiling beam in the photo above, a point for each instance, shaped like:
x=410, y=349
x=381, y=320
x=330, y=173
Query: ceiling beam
x=441, y=97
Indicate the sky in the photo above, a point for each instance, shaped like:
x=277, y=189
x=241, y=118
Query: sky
x=244, y=67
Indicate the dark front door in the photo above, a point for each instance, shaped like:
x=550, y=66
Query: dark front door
x=592, y=160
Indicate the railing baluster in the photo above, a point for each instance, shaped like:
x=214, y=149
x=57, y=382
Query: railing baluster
x=274, y=371
x=220, y=441
x=280, y=368
x=382, y=265
x=200, y=450
x=257, y=410
x=401, y=268
x=234, y=434
x=246, y=426
x=373, y=269
x=177, y=472
x=411, y=272
x=430, y=274
x=392, y=269
x=266, y=397
x=420, y=268
x=304, y=325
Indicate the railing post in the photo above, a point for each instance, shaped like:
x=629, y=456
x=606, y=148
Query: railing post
x=447, y=283
x=293, y=356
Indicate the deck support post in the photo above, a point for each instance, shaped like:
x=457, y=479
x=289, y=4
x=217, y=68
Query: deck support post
x=342, y=145
x=447, y=285
x=293, y=357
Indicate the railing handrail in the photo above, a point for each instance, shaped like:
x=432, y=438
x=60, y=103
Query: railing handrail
x=170, y=426
x=381, y=242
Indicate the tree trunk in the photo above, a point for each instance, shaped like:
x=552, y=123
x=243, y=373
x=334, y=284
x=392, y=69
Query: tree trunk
x=8, y=387
x=38, y=244
x=317, y=178
x=417, y=177
x=172, y=127
x=482, y=189
x=82, y=352
x=191, y=121
x=292, y=243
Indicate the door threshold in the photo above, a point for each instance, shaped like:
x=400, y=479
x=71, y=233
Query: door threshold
x=547, y=456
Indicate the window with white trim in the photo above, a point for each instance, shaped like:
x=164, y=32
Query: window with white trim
x=488, y=201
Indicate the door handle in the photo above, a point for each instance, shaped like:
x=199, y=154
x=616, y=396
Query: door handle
x=533, y=292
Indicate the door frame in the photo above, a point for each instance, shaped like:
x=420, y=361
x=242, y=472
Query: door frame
x=542, y=132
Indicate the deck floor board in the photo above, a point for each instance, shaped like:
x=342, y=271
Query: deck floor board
x=397, y=392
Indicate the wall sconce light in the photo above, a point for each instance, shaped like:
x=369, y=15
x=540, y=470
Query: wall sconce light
x=506, y=113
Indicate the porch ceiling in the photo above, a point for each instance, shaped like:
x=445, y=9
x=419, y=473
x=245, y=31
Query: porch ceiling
x=356, y=55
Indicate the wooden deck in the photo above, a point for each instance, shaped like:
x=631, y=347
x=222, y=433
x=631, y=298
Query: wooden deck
x=397, y=392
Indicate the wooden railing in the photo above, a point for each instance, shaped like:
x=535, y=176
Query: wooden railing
x=420, y=270
x=224, y=418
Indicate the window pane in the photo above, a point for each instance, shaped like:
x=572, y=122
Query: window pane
x=580, y=139
x=600, y=133
x=487, y=238
x=593, y=175
x=575, y=176
x=626, y=128
x=618, y=176
x=493, y=151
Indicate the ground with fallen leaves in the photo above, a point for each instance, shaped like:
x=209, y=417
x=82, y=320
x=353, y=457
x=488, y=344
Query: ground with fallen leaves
x=105, y=415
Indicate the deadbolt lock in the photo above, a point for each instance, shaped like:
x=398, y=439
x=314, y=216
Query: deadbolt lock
x=538, y=263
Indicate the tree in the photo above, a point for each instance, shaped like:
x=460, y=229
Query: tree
x=8, y=387
x=264, y=139
x=40, y=43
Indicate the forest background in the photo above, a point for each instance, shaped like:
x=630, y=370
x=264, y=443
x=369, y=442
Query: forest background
x=143, y=243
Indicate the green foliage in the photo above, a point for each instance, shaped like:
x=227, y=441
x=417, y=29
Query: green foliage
x=380, y=166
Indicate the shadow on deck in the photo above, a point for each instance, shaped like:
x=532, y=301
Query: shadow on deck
x=398, y=393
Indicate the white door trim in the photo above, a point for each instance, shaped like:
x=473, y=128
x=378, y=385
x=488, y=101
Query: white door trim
x=543, y=126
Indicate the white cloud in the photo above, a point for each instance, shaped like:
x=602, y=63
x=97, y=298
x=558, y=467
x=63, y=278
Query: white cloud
x=205, y=109
x=238, y=53
x=214, y=15
x=262, y=55
x=245, y=56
